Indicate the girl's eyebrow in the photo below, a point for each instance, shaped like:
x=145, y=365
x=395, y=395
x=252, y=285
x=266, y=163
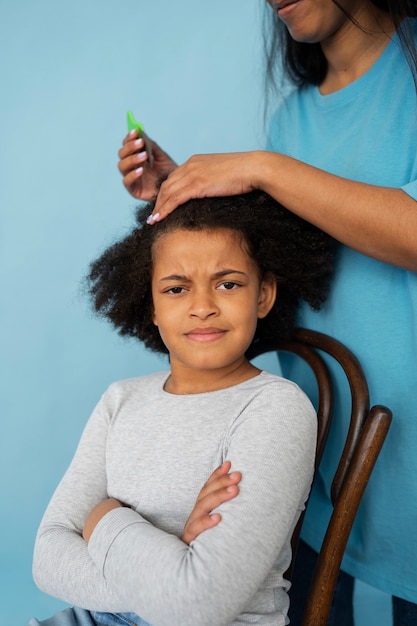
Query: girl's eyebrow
x=173, y=277
x=220, y=274
x=227, y=272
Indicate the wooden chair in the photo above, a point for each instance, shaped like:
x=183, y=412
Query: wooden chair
x=366, y=435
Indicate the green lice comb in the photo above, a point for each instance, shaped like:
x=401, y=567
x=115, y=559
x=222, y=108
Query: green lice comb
x=132, y=124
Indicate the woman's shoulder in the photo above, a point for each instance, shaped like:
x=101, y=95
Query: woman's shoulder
x=289, y=98
x=291, y=106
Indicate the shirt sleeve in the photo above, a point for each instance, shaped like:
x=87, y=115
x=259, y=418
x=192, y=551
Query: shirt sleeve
x=211, y=581
x=411, y=189
x=62, y=566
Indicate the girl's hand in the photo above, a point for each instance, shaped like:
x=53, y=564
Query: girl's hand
x=207, y=175
x=220, y=487
x=96, y=514
x=139, y=178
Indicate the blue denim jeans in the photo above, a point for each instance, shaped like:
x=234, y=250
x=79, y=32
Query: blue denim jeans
x=80, y=617
x=118, y=619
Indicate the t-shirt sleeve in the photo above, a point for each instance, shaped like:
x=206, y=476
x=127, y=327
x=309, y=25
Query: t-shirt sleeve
x=411, y=189
x=273, y=143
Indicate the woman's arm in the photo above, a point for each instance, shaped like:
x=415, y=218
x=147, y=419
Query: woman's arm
x=380, y=222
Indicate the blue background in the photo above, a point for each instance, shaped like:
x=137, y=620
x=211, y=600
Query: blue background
x=192, y=73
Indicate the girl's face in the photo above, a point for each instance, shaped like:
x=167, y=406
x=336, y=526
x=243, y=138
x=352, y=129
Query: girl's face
x=316, y=21
x=207, y=298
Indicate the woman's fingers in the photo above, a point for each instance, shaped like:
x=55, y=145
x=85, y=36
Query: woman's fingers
x=131, y=155
x=204, y=176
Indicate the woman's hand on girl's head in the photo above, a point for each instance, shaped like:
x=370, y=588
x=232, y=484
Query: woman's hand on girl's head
x=207, y=175
x=220, y=487
x=139, y=178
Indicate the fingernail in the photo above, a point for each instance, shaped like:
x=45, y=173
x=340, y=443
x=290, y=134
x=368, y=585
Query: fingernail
x=131, y=132
x=142, y=154
x=233, y=475
x=152, y=218
x=156, y=217
x=139, y=170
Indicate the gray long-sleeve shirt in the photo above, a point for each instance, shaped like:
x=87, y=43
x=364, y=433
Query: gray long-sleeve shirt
x=154, y=451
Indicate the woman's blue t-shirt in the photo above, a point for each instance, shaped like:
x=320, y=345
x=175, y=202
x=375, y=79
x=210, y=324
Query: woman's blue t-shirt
x=367, y=132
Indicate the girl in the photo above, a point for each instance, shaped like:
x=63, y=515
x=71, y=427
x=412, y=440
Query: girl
x=342, y=154
x=123, y=534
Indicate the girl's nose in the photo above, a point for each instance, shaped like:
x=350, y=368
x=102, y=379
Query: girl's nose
x=203, y=305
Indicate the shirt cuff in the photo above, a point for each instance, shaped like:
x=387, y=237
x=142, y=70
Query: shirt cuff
x=107, y=531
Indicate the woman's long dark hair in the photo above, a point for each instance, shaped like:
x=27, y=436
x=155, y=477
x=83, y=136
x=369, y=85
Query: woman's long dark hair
x=305, y=63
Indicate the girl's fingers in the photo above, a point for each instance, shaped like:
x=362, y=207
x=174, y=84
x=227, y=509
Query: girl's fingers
x=222, y=470
x=214, y=499
x=202, y=518
x=221, y=487
x=195, y=528
x=219, y=480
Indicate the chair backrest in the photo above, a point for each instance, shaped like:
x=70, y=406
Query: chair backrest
x=366, y=435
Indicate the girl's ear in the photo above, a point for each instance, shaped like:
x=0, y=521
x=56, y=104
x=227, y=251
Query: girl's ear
x=267, y=294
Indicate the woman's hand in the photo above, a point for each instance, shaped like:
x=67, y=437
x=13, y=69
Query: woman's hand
x=139, y=176
x=220, y=487
x=96, y=514
x=207, y=175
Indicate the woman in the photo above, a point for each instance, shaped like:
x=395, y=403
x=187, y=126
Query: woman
x=342, y=154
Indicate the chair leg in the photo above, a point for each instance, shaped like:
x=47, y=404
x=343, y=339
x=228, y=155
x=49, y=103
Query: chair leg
x=330, y=558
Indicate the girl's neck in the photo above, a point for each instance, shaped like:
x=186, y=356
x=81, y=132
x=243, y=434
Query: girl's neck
x=183, y=381
x=354, y=49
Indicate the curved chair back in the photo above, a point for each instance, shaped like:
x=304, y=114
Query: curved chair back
x=367, y=432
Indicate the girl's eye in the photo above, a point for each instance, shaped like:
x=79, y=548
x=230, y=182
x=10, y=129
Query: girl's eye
x=175, y=290
x=229, y=285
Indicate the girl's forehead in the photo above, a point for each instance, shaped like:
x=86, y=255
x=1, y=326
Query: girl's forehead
x=204, y=249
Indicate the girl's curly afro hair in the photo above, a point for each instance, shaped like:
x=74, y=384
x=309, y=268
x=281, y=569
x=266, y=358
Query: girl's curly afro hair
x=300, y=256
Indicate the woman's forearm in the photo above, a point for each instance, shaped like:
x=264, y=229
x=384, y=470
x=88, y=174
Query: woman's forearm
x=380, y=222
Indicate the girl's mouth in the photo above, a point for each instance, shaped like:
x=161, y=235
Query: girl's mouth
x=205, y=334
